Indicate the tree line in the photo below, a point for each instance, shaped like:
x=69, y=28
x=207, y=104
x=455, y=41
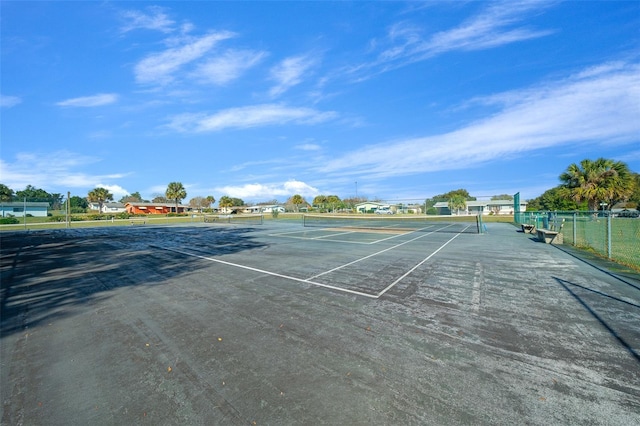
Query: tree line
x=588, y=185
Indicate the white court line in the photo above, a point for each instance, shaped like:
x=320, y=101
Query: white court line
x=390, y=286
x=262, y=271
x=374, y=254
x=308, y=280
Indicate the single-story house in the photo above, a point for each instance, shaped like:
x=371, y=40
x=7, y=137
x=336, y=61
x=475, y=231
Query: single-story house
x=497, y=207
x=371, y=206
x=233, y=210
x=154, y=208
x=21, y=209
x=108, y=207
x=264, y=209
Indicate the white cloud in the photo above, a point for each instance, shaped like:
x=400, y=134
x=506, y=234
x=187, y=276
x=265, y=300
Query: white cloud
x=116, y=190
x=90, y=101
x=308, y=147
x=489, y=29
x=228, y=67
x=156, y=19
x=280, y=190
x=251, y=116
x=589, y=108
x=158, y=68
x=495, y=26
x=9, y=101
x=289, y=73
x=52, y=170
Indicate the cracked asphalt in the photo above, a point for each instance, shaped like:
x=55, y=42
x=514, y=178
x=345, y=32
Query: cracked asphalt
x=276, y=324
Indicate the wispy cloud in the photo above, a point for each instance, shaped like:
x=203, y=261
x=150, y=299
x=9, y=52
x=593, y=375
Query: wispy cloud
x=90, y=101
x=258, y=191
x=289, y=73
x=597, y=106
x=228, y=66
x=9, y=101
x=308, y=147
x=154, y=19
x=495, y=26
x=58, y=169
x=158, y=68
x=246, y=117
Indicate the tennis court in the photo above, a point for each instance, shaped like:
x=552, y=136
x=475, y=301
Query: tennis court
x=291, y=322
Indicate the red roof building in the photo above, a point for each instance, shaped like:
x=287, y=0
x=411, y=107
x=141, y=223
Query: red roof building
x=154, y=208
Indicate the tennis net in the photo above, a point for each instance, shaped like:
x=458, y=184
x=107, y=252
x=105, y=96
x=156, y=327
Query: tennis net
x=249, y=219
x=458, y=224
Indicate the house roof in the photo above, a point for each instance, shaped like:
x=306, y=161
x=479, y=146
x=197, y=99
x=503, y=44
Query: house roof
x=134, y=204
x=481, y=203
x=370, y=203
x=23, y=204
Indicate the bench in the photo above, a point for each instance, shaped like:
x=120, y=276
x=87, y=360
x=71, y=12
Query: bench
x=550, y=237
x=138, y=221
x=209, y=218
x=528, y=229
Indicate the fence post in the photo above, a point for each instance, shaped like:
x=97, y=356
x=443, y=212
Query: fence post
x=609, y=235
x=575, y=231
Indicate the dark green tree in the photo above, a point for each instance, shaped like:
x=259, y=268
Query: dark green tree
x=555, y=199
x=78, y=204
x=6, y=193
x=132, y=198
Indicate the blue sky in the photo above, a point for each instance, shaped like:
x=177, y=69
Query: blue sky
x=264, y=100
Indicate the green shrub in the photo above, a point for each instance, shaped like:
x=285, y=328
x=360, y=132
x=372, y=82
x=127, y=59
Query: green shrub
x=9, y=221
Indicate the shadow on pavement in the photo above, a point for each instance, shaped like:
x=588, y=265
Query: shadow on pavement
x=591, y=307
x=45, y=275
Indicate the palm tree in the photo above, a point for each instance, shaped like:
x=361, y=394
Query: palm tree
x=333, y=200
x=99, y=195
x=225, y=201
x=176, y=192
x=210, y=199
x=320, y=201
x=457, y=202
x=297, y=200
x=602, y=180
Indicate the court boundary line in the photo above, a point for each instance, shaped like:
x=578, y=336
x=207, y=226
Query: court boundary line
x=363, y=230
x=315, y=283
x=275, y=274
x=371, y=255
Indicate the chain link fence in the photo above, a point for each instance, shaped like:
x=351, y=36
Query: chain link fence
x=612, y=235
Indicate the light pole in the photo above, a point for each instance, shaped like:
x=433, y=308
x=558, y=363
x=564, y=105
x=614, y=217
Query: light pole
x=356, y=190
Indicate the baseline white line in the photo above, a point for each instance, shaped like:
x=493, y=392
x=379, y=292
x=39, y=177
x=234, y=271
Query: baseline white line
x=262, y=271
x=371, y=255
x=390, y=286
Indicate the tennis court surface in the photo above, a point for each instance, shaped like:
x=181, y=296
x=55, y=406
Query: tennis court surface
x=277, y=323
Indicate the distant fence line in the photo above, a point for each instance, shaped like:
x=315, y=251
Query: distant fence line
x=610, y=235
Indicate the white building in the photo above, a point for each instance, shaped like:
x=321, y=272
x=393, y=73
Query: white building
x=498, y=207
x=21, y=209
x=108, y=207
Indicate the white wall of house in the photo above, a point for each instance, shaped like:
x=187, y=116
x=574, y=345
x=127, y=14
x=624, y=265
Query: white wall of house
x=20, y=209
